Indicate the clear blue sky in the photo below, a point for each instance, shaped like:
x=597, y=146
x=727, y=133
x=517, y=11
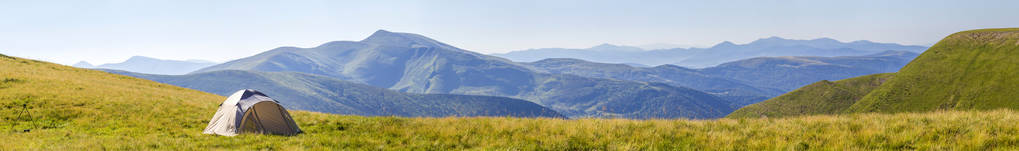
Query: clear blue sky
x=111, y=31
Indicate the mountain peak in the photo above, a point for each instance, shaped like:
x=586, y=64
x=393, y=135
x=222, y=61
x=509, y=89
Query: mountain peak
x=384, y=37
x=381, y=33
x=83, y=64
x=826, y=39
x=724, y=44
x=141, y=58
x=605, y=45
x=611, y=47
x=862, y=42
x=823, y=43
x=774, y=38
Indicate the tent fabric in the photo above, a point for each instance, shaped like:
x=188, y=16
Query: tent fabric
x=250, y=111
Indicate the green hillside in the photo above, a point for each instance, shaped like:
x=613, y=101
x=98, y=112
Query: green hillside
x=977, y=69
x=71, y=108
x=79, y=109
x=824, y=97
x=967, y=70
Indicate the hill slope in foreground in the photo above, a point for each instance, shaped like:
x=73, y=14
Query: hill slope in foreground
x=969, y=70
x=977, y=69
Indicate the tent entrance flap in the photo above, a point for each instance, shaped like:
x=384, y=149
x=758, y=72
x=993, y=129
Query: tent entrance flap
x=271, y=119
x=249, y=124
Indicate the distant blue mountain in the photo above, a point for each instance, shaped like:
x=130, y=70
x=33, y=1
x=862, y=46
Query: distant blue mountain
x=790, y=72
x=744, y=81
x=83, y=64
x=736, y=92
x=715, y=55
x=141, y=64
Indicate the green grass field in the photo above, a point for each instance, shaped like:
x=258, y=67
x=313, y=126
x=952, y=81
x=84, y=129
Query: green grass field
x=79, y=109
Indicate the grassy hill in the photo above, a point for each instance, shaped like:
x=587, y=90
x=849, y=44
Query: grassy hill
x=824, y=97
x=977, y=69
x=79, y=109
x=969, y=70
x=73, y=108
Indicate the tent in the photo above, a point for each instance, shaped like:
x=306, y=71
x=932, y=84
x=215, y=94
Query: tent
x=250, y=111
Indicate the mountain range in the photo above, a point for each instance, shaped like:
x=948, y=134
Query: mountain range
x=742, y=82
x=969, y=70
x=416, y=64
x=715, y=55
x=142, y=64
x=736, y=92
x=319, y=93
x=405, y=74
x=790, y=72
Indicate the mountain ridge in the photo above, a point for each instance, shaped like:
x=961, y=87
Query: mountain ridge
x=790, y=72
x=725, y=51
x=143, y=64
x=742, y=82
x=416, y=64
x=738, y=93
x=323, y=94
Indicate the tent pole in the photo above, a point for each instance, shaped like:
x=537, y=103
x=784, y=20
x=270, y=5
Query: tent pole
x=286, y=116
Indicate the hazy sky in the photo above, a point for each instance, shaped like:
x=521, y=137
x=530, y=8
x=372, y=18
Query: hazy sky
x=111, y=31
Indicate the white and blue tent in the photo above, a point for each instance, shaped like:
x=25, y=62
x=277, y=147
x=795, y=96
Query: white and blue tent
x=250, y=111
